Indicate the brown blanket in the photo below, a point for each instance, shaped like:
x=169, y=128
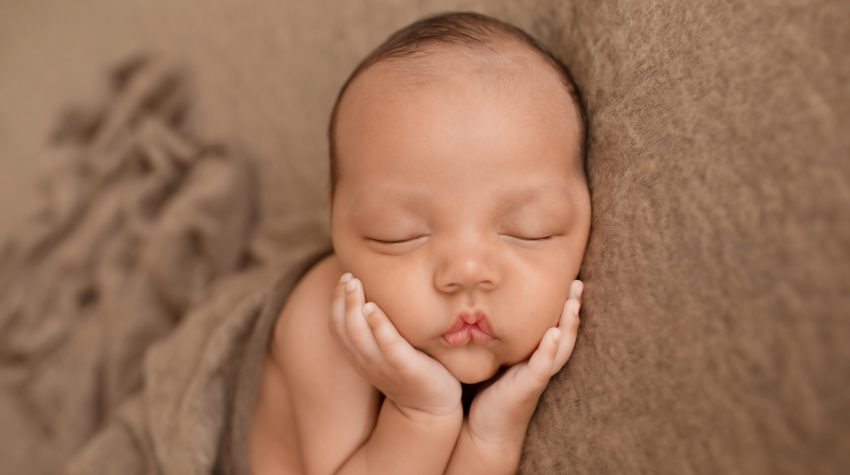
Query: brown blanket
x=192, y=415
x=127, y=301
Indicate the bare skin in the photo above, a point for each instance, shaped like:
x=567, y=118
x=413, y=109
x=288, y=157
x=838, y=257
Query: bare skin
x=431, y=219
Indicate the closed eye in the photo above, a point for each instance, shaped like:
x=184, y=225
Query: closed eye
x=402, y=241
x=544, y=238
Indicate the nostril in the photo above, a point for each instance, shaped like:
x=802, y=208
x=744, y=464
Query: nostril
x=451, y=288
x=487, y=285
x=466, y=274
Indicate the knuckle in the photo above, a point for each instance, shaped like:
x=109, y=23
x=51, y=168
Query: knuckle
x=540, y=378
x=406, y=371
x=359, y=341
x=338, y=327
x=383, y=335
x=394, y=352
x=392, y=349
x=573, y=324
x=337, y=310
x=376, y=324
x=349, y=320
x=349, y=296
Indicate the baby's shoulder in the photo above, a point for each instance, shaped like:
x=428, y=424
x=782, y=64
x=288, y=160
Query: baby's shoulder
x=302, y=340
x=302, y=327
x=309, y=300
x=334, y=408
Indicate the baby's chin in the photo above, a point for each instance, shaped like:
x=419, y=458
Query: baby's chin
x=471, y=367
x=473, y=377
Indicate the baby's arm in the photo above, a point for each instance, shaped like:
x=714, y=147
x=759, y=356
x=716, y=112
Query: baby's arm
x=491, y=440
x=421, y=415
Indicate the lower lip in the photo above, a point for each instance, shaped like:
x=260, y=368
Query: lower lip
x=468, y=332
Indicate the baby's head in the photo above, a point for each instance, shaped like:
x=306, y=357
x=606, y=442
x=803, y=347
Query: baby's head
x=458, y=188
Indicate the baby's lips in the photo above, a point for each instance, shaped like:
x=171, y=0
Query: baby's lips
x=484, y=326
x=471, y=325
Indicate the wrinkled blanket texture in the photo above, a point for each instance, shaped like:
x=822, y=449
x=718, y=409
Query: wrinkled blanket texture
x=129, y=306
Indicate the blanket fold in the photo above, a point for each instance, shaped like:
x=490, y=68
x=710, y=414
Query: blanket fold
x=193, y=415
x=128, y=299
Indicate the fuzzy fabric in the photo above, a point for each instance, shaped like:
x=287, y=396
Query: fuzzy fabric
x=135, y=225
x=715, y=331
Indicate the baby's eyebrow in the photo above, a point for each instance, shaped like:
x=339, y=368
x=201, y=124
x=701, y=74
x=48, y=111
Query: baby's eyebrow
x=408, y=198
x=514, y=198
x=523, y=195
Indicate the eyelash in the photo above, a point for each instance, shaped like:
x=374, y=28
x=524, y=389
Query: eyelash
x=379, y=241
x=546, y=238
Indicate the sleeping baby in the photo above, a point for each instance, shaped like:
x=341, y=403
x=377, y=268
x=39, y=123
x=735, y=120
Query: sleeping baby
x=460, y=213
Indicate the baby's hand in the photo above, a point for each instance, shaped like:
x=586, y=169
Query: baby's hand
x=415, y=382
x=500, y=413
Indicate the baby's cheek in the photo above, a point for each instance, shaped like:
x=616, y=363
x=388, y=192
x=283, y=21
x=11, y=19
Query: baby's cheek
x=405, y=313
x=526, y=335
x=550, y=305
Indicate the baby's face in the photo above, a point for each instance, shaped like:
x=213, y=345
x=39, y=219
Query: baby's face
x=456, y=197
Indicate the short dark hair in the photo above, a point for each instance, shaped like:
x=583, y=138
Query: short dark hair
x=453, y=28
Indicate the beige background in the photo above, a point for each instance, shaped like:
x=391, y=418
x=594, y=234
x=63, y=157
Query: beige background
x=271, y=70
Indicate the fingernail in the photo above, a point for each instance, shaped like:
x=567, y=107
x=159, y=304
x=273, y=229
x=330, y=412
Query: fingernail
x=580, y=289
x=369, y=308
x=345, y=277
x=351, y=285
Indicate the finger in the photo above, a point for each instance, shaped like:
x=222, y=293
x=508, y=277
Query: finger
x=340, y=330
x=337, y=322
x=359, y=333
x=569, y=324
x=575, y=289
x=397, y=351
x=571, y=308
x=540, y=363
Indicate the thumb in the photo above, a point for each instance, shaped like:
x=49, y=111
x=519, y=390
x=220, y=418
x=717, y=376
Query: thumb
x=533, y=377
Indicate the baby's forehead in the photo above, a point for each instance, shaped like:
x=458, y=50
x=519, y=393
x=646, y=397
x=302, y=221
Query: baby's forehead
x=504, y=65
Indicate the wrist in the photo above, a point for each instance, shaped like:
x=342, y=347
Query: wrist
x=501, y=449
x=449, y=417
x=508, y=430
x=473, y=454
x=400, y=443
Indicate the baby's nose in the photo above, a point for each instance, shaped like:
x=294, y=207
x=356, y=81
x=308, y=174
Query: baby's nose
x=467, y=272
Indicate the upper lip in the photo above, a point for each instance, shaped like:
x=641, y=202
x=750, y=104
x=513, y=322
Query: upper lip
x=468, y=320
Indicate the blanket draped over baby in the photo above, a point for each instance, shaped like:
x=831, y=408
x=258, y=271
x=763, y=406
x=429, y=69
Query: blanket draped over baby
x=133, y=319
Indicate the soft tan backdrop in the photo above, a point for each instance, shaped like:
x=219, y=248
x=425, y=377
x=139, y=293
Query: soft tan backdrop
x=716, y=328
